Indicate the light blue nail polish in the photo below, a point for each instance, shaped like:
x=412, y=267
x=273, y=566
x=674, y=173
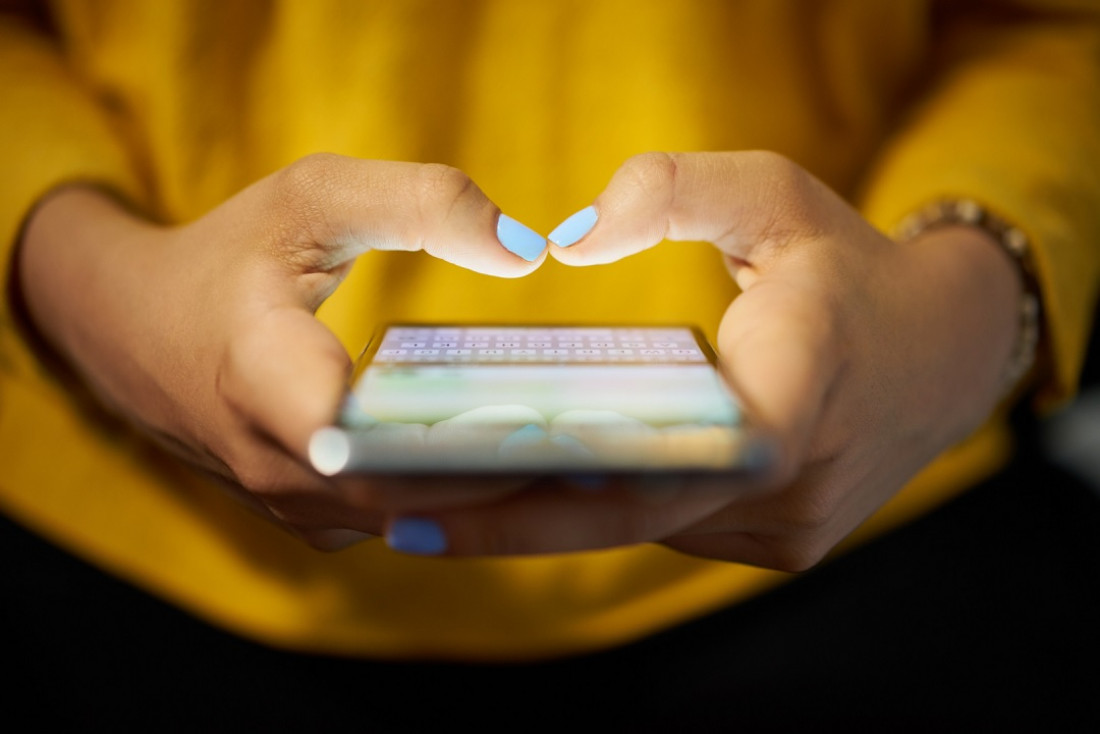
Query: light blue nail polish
x=572, y=229
x=520, y=239
x=528, y=435
x=416, y=535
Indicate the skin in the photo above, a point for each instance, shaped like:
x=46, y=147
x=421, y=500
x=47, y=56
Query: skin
x=864, y=358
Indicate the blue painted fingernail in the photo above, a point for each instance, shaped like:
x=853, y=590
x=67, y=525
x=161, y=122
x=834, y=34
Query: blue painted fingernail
x=572, y=229
x=519, y=238
x=530, y=434
x=416, y=535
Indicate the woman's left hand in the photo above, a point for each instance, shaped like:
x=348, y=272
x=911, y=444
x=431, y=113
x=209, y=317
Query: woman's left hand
x=863, y=358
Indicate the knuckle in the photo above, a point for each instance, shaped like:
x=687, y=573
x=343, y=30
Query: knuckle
x=803, y=536
x=307, y=178
x=653, y=173
x=267, y=474
x=807, y=507
x=781, y=171
x=445, y=187
x=800, y=532
x=237, y=361
x=794, y=197
x=776, y=165
x=302, y=189
x=440, y=181
x=255, y=476
x=809, y=517
x=443, y=192
x=797, y=558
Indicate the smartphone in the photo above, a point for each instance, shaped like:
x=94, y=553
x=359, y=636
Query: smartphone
x=543, y=399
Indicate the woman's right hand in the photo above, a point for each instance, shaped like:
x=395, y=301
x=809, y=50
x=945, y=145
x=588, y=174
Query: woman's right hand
x=203, y=335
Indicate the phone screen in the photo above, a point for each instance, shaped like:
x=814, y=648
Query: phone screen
x=433, y=398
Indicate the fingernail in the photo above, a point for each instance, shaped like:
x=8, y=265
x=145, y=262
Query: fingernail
x=416, y=535
x=572, y=229
x=528, y=435
x=520, y=239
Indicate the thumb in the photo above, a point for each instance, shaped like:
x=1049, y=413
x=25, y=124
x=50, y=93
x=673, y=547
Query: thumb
x=315, y=216
x=743, y=202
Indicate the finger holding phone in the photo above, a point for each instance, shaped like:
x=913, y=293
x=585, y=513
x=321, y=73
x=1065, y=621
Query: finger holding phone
x=203, y=334
x=862, y=357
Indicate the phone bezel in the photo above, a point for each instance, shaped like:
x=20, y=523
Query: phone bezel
x=754, y=456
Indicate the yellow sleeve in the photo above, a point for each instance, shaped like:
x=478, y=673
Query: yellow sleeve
x=52, y=132
x=1011, y=118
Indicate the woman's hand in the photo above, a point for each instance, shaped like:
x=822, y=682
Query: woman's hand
x=864, y=358
x=203, y=335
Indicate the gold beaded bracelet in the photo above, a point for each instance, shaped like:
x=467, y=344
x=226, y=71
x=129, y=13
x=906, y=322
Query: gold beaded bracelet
x=1015, y=244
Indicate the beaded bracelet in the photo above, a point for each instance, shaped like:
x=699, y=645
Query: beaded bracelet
x=1015, y=243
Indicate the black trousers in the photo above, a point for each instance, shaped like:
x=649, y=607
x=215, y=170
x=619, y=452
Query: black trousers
x=984, y=616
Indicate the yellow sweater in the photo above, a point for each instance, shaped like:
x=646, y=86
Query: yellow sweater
x=178, y=104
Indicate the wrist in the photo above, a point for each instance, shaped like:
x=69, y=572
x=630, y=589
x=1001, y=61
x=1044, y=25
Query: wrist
x=965, y=322
x=954, y=217
x=73, y=269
